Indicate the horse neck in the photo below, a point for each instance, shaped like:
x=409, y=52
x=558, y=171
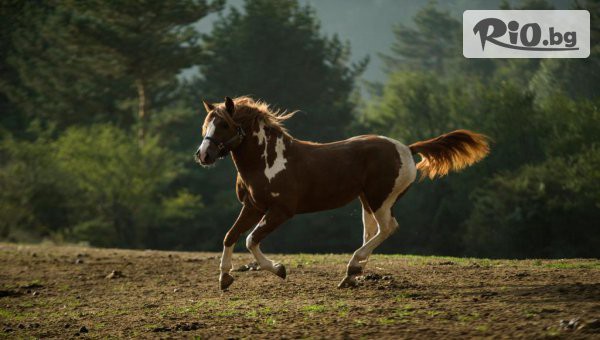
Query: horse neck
x=248, y=156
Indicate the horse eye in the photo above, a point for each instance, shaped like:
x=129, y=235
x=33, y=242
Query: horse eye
x=222, y=125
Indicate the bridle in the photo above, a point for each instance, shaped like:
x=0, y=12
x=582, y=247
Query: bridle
x=230, y=144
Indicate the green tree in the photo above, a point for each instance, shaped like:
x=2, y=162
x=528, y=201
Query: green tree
x=546, y=210
x=46, y=77
x=429, y=45
x=96, y=55
x=96, y=184
x=117, y=184
x=148, y=42
x=273, y=50
x=33, y=191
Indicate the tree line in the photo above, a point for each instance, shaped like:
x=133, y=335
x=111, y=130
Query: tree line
x=98, y=128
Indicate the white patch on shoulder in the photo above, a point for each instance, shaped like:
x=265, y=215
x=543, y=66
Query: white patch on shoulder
x=261, y=135
x=279, y=163
x=275, y=194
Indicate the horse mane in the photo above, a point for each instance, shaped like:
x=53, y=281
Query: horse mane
x=249, y=111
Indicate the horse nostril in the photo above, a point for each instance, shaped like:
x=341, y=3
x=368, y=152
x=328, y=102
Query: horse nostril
x=206, y=158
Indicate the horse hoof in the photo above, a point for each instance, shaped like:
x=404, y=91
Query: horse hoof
x=348, y=282
x=225, y=281
x=280, y=271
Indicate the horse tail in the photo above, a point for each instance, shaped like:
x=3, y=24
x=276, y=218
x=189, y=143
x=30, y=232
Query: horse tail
x=451, y=151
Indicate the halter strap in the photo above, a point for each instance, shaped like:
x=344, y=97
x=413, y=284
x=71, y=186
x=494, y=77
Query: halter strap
x=228, y=145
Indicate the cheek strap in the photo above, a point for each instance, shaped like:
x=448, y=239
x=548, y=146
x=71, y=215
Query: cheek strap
x=230, y=144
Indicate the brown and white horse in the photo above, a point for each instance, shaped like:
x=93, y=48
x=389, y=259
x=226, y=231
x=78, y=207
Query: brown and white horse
x=280, y=176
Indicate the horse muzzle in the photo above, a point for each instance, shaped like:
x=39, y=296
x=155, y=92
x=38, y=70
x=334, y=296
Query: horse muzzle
x=206, y=154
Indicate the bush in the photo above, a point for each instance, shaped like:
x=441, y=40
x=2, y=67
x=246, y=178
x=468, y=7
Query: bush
x=546, y=210
x=92, y=184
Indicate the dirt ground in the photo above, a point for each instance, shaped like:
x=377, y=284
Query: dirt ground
x=67, y=292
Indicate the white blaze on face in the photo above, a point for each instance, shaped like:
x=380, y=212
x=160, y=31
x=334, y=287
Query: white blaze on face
x=205, y=143
x=279, y=163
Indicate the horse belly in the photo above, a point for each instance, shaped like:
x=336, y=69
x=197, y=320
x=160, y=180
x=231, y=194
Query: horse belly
x=328, y=194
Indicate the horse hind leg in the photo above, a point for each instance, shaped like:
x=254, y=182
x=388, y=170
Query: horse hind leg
x=369, y=222
x=386, y=224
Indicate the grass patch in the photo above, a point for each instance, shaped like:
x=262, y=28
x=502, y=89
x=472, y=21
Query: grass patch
x=360, y=322
x=405, y=311
x=386, y=321
x=530, y=313
x=573, y=265
x=14, y=316
x=406, y=295
x=343, y=309
x=226, y=313
x=482, y=328
x=313, y=309
x=150, y=326
x=468, y=317
x=552, y=332
x=270, y=321
x=433, y=313
x=26, y=304
x=64, y=287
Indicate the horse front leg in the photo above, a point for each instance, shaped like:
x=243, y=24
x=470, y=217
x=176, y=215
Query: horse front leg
x=272, y=219
x=248, y=217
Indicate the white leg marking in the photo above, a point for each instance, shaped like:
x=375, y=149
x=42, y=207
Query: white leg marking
x=254, y=248
x=369, y=224
x=386, y=224
x=279, y=163
x=275, y=194
x=226, y=259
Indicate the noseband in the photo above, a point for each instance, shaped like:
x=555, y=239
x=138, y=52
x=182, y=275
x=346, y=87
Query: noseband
x=228, y=145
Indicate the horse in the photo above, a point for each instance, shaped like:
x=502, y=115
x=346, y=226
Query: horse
x=279, y=176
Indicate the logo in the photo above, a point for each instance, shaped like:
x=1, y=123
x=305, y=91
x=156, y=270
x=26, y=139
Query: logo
x=526, y=34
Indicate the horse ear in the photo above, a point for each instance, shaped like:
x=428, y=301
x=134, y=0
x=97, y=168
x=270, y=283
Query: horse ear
x=230, y=106
x=208, y=106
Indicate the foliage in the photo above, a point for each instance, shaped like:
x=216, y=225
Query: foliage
x=426, y=46
x=538, y=127
x=274, y=51
x=79, y=79
x=97, y=56
x=32, y=189
x=531, y=213
x=93, y=184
